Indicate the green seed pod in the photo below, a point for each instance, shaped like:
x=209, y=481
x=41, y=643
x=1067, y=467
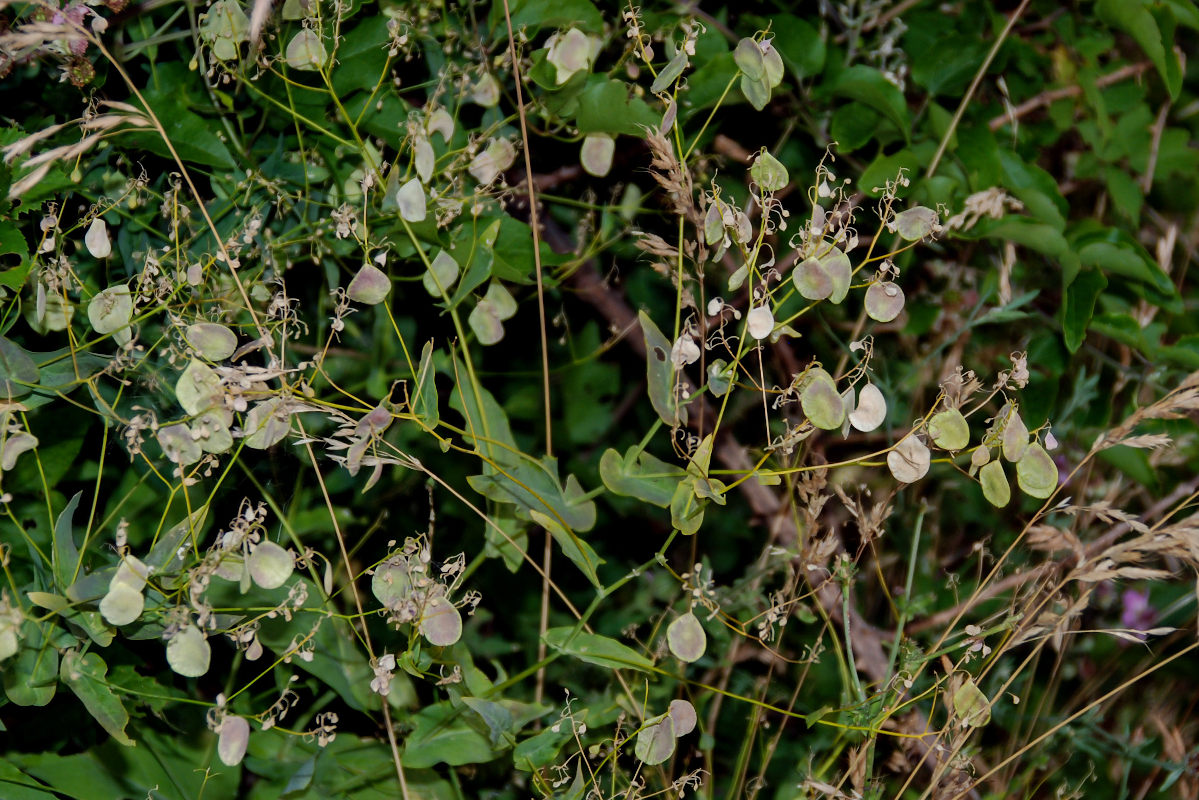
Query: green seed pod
x=189, y=653
x=369, y=286
x=682, y=713
x=596, y=154
x=994, y=483
x=233, y=738
x=812, y=280
x=687, y=638
x=949, y=430
x=1036, y=473
x=821, y=401
x=270, y=565
x=214, y=342
x=390, y=584
x=655, y=742
x=306, y=51
x=915, y=223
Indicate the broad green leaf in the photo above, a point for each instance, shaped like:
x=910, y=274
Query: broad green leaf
x=1134, y=18
x=31, y=677
x=596, y=649
x=66, y=553
x=577, y=550
x=686, y=507
x=503, y=717
x=660, y=373
x=799, y=43
x=16, y=368
x=443, y=736
x=12, y=243
x=867, y=85
x=423, y=401
x=86, y=676
x=1078, y=306
x=606, y=107
x=164, y=556
x=640, y=474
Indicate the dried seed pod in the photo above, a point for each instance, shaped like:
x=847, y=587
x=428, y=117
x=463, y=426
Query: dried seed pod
x=812, y=280
x=915, y=223
x=884, y=301
x=871, y=410
x=909, y=460
x=760, y=322
x=96, y=239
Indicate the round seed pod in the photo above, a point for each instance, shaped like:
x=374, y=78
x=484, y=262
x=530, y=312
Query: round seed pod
x=122, y=605
x=270, y=565
x=189, y=653
x=1036, y=473
x=390, y=583
x=871, y=410
x=949, y=430
x=884, y=301
x=684, y=716
x=822, y=402
x=232, y=741
x=909, y=460
x=687, y=638
x=995, y=485
x=655, y=742
x=441, y=623
x=214, y=342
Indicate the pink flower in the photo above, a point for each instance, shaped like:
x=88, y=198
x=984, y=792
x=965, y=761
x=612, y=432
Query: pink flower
x=1137, y=612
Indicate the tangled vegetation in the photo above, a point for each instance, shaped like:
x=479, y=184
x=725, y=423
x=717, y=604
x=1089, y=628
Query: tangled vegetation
x=559, y=398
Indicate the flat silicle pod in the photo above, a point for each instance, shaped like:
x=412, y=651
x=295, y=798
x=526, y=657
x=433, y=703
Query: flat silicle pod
x=198, y=387
x=96, y=239
x=884, y=301
x=211, y=340
x=909, y=460
x=995, y=485
x=270, y=565
x=1015, y=438
x=390, y=584
x=871, y=409
x=915, y=223
x=768, y=172
x=812, y=280
x=596, y=154
x=441, y=275
x=655, y=742
x=122, y=605
x=1036, y=473
x=441, y=624
x=232, y=740
x=370, y=285
x=840, y=272
x=188, y=652
x=684, y=717
x=822, y=402
x=110, y=310
x=687, y=638
x=949, y=430
x=760, y=322
x=306, y=51
x=411, y=201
